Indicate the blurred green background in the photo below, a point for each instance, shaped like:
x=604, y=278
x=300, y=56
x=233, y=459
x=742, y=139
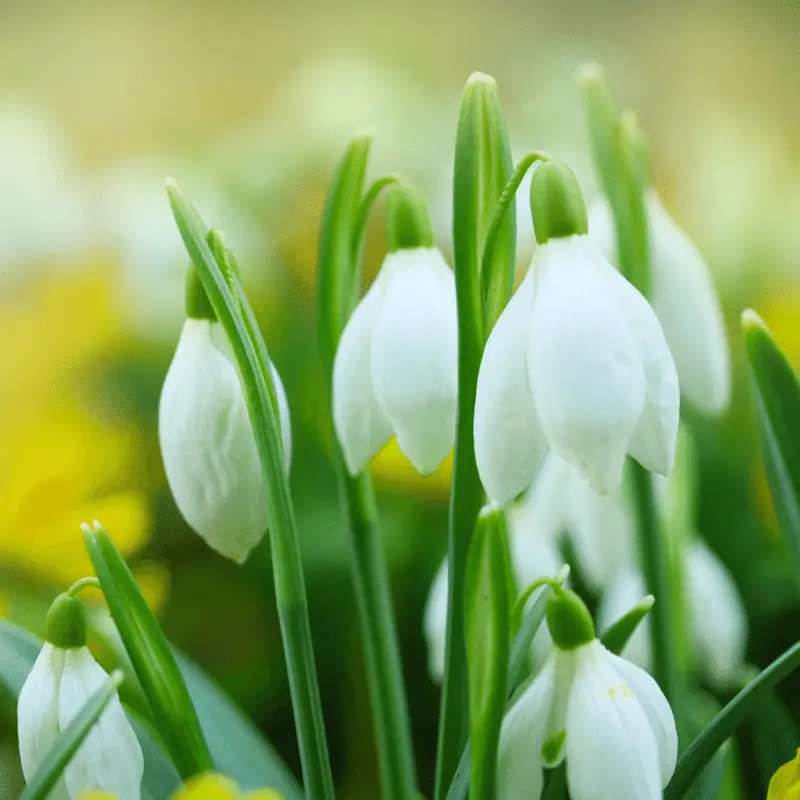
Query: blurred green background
x=249, y=105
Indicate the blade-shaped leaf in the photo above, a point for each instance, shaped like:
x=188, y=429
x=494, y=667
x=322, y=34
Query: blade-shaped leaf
x=777, y=396
x=18, y=652
x=68, y=742
x=152, y=659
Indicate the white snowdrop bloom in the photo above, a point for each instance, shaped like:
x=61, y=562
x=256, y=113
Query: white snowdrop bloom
x=395, y=372
x=601, y=528
x=685, y=301
x=717, y=618
x=577, y=363
x=61, y=682
x=605, y=716
x=532, y=558
x=207, y=443
x=714, y=609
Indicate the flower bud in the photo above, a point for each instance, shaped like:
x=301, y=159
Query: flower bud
x=557, y=203
x=63, y=679
x=569, y=620
x=210, y=456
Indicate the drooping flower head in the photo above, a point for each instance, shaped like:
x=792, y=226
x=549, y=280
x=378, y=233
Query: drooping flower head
x=64, y=677
x=605, y=716
x=395, y=372
x=207, y=443
x=576, y=364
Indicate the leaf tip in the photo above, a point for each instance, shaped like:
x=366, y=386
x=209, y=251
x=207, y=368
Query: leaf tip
x=751, y=320
x=481, y=78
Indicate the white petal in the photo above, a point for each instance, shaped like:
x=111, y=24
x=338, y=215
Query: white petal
x=414, y=357
x=686, y=302
x=435, y=623
x=654, y=440
x=657, y=709
x=584, y=363
x=110, y=757
x=509, y=443
x=220, y=340
x=361, y=426
x=600, y=528
x=37, y=714
x=611, y=749
x=624, y=592
x=553, y=747
x=519, y=758
x=207, y=444
x=717, y=616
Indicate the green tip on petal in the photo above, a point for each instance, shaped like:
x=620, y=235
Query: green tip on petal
x=569, y=620
x=198, y=306
x=557, y=203
x=66, y=623
x=408, y=224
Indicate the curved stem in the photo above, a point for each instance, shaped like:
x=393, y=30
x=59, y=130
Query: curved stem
x=722, y=727
x=507, y=196
x=654, y=563
x=381, y=648
x=83, y=583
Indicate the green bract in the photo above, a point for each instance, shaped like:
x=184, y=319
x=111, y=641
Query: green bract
x=569, y=620
x=66, y=622
x=557, y=203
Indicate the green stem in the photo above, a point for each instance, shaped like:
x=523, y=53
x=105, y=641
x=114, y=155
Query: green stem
x=722, y=727
x=382, y=651
x=83, y=583
x=287, y=566
x=653, y=562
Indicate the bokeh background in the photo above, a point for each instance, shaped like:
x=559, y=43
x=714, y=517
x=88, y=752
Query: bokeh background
x=248, y=105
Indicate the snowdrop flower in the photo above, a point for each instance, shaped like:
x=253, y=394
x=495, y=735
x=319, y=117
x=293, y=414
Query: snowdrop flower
x=717, y=621
x=685, y=302
x=395, y=372
x=576, y=364
x=560, y=502
x=605, y=716
x=210, y=456
x=532, y=556
x=63, y=679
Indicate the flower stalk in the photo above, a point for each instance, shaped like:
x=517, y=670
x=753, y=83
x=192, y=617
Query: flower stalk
x=481, y=173
x=341, y=244
x=228, y=303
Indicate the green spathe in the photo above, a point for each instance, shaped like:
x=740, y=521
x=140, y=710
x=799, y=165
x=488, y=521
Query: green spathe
x=66, y=623
x=198, y=306
x=557, y=203
x=408, y=224
x=569, y=620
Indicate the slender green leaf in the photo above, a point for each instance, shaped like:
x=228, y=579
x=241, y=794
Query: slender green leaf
x=520, y=651
x=359, y=233
x=151, y=657
x=722, y=727
x=617, y=636
x=234, y=313
x=481, y=173
x=339, y=275
x=68, y=742
x=777, y=397
x=18, y=653
x=488, y=621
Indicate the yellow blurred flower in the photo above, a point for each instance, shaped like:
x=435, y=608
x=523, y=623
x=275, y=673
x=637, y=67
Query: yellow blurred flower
x=56, y=474
x=205, y=787
x=785, y=783
x=391, y=469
